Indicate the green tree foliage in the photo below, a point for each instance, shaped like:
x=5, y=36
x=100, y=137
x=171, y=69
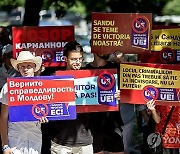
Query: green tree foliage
x=124, y=6
x=8, y=5
x=89, y=6
x=32, y=9
x=172, y=8
x=118, y=6
x=61, y=6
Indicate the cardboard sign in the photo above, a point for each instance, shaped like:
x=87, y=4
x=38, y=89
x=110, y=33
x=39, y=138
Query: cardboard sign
x=126, y=32
x=165, y=56
x=94, y=89
x=168, y=38
x=140, y=83
x=165, y=47
x=47, y=42
x=34, y=97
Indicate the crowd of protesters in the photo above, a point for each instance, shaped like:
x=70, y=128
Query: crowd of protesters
x=97, y=132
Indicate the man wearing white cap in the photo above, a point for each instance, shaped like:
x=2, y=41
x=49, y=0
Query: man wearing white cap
x=21, y=137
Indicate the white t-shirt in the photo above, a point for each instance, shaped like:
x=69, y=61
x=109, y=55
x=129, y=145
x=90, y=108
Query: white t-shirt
x=18, y=132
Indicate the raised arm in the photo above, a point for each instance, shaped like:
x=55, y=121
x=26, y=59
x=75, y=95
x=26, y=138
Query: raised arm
x=155, y=115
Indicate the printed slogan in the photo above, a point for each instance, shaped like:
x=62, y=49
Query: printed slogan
x=35, y=97
x=109, y=33
x=47, y=42
x=165, y=38
x=144, y=82
x=94, y=90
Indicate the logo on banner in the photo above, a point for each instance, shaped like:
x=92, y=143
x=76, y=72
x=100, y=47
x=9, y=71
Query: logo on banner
x=40, y=110
x=150, y=92
x=60, y=109
x=167, y=55
x=140, y=26
x=47, y=56
x=106, y=89
x=106, y=81
x=168, y=94
x=59, y=57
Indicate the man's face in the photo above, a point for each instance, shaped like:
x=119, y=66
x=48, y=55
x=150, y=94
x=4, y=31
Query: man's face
x=26, y=69
x=74, y=60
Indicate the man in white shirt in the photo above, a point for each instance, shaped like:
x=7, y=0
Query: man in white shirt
x=21, y=137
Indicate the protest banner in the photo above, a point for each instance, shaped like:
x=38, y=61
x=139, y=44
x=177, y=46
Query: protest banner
x=126, y=32
x=140, y=83
x=165, y=47
x=30, y=98
x=94, y=89
x=47, y=42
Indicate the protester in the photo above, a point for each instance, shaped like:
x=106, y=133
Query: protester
x=128, y=116
x=146, y=126
x=4, y=40
x=72, y=136
x=20, y=137
x=106, y=126
x=127, y=111
x=167, y=120
x=7, y=70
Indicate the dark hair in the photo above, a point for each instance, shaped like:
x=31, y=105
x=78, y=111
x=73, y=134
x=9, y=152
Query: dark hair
x=4, y=36
x=72, y=46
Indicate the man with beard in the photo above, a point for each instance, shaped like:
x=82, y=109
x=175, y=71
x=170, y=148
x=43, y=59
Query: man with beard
x=72, y=136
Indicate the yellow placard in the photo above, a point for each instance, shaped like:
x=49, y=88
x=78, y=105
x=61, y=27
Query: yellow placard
x=163, y=38
x=137, y=77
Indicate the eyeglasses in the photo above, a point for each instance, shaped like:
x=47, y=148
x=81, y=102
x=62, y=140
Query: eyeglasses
x=25, y=67
x=74, y=60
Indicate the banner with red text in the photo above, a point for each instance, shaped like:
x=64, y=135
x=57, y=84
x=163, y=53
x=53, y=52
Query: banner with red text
x=140, y=83
x=30, y=98
x=94, y=89
x=47, y=42
x=126, y=32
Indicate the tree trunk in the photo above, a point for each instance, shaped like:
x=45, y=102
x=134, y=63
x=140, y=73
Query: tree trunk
x=32, y=9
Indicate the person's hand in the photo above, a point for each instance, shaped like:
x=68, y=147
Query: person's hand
x=118, y=56
x=43, y=120
x=117, y=94
x=151, y=105
x=7, y=150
